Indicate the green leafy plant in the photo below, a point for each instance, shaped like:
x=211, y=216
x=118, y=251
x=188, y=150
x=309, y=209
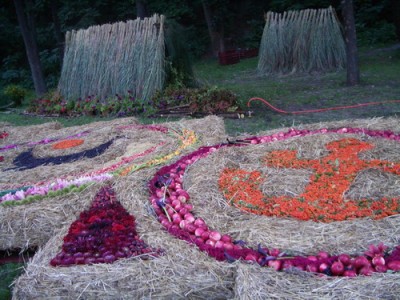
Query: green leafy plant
x=200, y=100
x=16, y=93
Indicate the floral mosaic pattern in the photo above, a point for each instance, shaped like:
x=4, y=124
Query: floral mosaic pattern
x=171, y=204
x=323, y=198
x=104, y=233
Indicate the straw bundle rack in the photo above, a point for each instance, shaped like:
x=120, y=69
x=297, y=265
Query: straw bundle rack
x=111, y=59
x=301, y=41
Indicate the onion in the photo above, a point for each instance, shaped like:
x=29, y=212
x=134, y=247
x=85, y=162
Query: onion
x=79, y=260
x=190, y=227
x=226, y=238
x=228, y=246
x=109, y=258
x=287, y=264
x=219, y=245
x=166, y=223
x=274, y=252
x=394, y=265
x=176, y=204
x=199, y=222
x=189, y=207
x=366, y=271
x=210, y=242
x=205, y=235
x=176, y=218
x=323, y=255
x=312, y=258
x=251, y=257
x=183, y=224
x=381, y=268
x=360, y=262
x=345, y=259
x=378, y=261
x=349, y=273
x=215, y=235
x=337, y=268
x=189, y=217
x=183, y=211
x=275, y=264
x=323, y=267
x=199, y=231
x=312, y=268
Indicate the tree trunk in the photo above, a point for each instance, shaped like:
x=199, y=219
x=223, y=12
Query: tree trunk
x=216, y=37
x=27, y=27
x=57, y=27
x=395, y=16
x=141, y=9
x=353, y=72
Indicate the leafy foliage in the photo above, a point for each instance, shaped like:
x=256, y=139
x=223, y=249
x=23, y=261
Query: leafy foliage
x=16, y=93
x=200, y=100
x=54, y=104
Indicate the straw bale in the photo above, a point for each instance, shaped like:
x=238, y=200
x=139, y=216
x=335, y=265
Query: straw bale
x=23, y=227
x=33, y=224
x=201, y=181
x=182, y=273
x=185, y=272
x=253, y=282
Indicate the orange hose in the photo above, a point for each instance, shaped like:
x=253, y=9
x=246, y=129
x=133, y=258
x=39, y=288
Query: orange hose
x=317, y=110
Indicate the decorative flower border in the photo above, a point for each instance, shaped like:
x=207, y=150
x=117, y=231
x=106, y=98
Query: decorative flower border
x=35, y=192
x=104, y=233
x=171, y=205
x=322, y=199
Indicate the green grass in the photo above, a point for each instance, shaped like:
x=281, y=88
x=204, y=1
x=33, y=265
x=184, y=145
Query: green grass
x=380, y=81
x=8, y=272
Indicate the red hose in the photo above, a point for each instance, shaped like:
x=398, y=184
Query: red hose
x=317, y=110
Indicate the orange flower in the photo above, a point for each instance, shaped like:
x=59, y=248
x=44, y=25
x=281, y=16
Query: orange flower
x=67, y=144
x=322, y=200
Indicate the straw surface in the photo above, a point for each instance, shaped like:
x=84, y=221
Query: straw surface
x=185, y=272
x=33, y=224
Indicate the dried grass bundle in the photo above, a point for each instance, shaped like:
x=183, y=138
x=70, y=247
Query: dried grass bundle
x=301, y=41
x=114, y=58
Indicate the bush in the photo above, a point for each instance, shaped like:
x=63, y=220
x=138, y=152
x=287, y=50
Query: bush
x=382, y=33
x=15, y=93
x=119, y=106
x=203, y=100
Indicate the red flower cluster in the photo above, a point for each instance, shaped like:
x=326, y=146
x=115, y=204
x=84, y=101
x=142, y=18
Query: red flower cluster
x=102, y=234
x=3, y=135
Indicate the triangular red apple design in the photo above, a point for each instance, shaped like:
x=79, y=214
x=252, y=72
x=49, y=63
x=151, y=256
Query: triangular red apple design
x=102, y=234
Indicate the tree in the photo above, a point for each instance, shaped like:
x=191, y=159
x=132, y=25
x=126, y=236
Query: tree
x=141, y=9
x=215, y=30
x=28, y=31
x=353, y=72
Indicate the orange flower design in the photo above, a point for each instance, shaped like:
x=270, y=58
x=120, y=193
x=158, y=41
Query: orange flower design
x=322, y=199
x=67, y=144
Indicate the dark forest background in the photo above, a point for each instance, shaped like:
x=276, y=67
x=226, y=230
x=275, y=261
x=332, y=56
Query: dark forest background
x=208, y=26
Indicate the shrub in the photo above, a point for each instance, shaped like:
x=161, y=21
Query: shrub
x=16, y=93
x=203, y=100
